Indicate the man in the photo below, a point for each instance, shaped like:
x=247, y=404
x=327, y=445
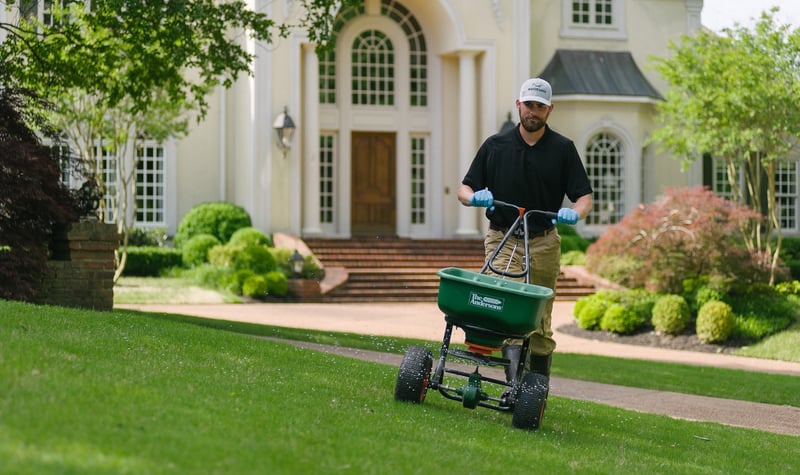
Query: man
x=533, y=167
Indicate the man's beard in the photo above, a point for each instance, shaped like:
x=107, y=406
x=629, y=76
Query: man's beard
x=531, y=123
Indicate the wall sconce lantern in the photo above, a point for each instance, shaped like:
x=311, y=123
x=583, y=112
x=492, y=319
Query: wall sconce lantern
x=508, y=124
x=296, y=261
x=284, y=127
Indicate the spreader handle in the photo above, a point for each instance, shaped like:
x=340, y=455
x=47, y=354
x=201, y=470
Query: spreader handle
x=548, y=214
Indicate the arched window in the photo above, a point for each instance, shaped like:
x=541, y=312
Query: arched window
x=417, y=47
x=373, y=69
x=605, y=160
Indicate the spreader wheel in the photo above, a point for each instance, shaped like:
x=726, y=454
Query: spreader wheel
x=531, y=401
x=414, y=374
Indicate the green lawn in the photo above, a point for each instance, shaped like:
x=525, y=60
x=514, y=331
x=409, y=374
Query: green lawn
x=124, y=392
x=167, y=290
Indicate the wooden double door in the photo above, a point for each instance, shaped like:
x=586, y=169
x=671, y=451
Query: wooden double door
x=373, y=199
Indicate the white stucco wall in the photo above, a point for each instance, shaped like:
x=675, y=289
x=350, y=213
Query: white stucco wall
x=510, y=40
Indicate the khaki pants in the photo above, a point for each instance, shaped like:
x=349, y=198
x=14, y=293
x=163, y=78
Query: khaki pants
x=545, y=259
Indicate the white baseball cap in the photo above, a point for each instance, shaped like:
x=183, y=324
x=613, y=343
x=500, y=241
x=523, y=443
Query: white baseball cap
x=536, y=89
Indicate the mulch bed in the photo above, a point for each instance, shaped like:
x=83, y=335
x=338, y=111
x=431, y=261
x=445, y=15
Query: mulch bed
x=649, y=337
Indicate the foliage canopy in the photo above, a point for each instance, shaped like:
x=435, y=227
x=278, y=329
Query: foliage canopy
x=734, y=96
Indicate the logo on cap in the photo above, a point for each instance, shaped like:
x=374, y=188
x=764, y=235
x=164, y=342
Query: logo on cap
x=536, y=89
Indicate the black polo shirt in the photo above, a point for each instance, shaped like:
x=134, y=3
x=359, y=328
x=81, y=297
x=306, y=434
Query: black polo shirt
x=533, y=177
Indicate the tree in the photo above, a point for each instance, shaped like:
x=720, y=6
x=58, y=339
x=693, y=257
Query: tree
x=32, y=200
x=734, y=96
x=128, y=70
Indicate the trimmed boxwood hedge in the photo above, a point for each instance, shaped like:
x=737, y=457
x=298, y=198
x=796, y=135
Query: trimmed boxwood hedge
x=151, y=261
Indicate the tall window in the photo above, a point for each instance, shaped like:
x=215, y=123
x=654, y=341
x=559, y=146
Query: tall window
x=605, y=161
x=373, y=69
x=107, y=169
x=327, y=62
x=786, y=194
x=720, y=183
x=419, y=146
x=151, y=188
x=786, y=190
x=150, y=185
x=418, y=57
x=42, y=10
x=66, y=163
x=326, y=178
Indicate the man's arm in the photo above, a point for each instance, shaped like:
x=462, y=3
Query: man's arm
x=465, y=193
x=583, y=206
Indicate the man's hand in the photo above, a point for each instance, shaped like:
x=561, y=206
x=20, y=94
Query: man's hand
x=567, y=216
x=482, y=198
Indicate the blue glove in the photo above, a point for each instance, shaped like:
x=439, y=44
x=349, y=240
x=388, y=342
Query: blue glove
x=482, y=198
x=567, y=216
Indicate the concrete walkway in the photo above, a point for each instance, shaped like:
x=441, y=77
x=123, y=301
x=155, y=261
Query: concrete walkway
x=425, y=321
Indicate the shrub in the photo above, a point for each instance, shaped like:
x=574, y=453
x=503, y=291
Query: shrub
x=32, y=200
x=790, y=254
x=277, y=283
x=195, y=250
x=686, y=233
x=254, y=257
x=788, y=288
x=671, y=314
x=707, y=294
x=591, y=311
x=639, y=300
x=573, y=258
x=250, y=235
x=715, y=322
x=234, y=282
x=223, y=254
x=208, y=275
x=147, y=237
x=570, y=239
x=622, y=319
x=151, y=261
x=760, y=312
x=579, y=305
x=311, y=268
x=255, y=286
x=220, y=219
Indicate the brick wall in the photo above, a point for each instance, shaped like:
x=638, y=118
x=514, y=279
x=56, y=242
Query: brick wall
x=81, y=272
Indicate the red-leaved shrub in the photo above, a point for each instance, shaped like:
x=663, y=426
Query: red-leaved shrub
x=32, y=201
x=687, y=233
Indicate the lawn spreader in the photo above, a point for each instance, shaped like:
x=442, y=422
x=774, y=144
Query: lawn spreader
x=490, y=309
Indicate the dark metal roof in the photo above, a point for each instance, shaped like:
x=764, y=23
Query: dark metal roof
x=597, y=73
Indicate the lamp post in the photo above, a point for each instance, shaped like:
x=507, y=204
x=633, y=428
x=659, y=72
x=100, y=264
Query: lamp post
x=296, y=261
x=284, y=128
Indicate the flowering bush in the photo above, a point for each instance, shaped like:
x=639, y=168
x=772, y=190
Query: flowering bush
x=687, y=233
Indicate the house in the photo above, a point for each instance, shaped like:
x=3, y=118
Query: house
x=387, y=124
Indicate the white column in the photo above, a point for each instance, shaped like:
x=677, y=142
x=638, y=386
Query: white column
x=468, y=120
x=310, y=154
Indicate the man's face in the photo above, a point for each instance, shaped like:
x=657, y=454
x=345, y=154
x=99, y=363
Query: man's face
x=533, y=115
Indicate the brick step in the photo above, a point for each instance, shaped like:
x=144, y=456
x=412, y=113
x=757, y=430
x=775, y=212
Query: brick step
x=404, y=270
x=389, y=266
